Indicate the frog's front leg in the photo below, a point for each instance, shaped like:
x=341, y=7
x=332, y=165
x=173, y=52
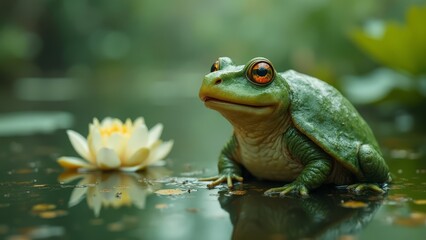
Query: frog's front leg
x=229, y=170
x=313, y=175
x=317, y=165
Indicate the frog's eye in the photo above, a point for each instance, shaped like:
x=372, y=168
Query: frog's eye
x=215, y=66
x=261, y=73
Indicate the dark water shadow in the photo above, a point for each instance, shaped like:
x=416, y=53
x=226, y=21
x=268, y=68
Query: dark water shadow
x=323, y=215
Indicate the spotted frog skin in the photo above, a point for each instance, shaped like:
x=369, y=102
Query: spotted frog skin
x=292, y=128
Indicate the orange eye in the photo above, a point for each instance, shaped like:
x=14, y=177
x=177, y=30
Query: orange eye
x=215, y=66
x=261, y=73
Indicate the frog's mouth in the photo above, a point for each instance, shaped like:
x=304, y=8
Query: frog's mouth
x=208, y=100
x=221, y=104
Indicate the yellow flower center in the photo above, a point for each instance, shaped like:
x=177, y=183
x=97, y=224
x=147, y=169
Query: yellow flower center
x=115, y=127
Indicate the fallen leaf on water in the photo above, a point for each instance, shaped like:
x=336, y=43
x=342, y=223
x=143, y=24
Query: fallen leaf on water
x=115, y=227
x=192, y=210
x=413, y=220
x=398, y=198
x=238, y=192
x=161, y=206
x=169, y=192
x=130, y=220
x=43, y=207
x=354, y=204
x=47, y=211
x=96, y=221
x=347, y=237
x=24, y=171
x=52, y=214
x=420, y=201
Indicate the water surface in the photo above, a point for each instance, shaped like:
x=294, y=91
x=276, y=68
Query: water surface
x=39, y=200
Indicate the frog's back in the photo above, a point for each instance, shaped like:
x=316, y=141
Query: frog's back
x=320, y=112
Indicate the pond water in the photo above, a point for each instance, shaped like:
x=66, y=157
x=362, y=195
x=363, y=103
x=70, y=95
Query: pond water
x=38, y=200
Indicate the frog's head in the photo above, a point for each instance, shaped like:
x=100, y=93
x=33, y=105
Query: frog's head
x=249, y=91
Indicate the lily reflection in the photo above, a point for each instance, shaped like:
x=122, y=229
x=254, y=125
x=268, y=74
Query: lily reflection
x=112, y=189
x=255, y=216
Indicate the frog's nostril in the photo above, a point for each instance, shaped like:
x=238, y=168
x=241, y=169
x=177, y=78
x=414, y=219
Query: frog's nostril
x=218, y=81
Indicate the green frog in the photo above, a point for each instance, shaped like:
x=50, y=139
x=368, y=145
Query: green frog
x=290, y=127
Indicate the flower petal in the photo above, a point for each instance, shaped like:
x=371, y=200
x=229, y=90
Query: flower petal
x=116, y=142
x=74, y=163
x=137, y=158
x=138, y=139
x=132, y=169
x=94, y=141
x=160, y=152
x=95, y=122
x=80, y=144
x=158, y=163
x=106, y=122
x=107, y=159
x=139, y=121
x=154, y=133
x=128, y=124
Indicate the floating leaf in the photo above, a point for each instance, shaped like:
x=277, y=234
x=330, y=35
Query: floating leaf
x=24, y=171
x=192, y=210
x=169, y=192
x=43, y=207
x=52, y=214
x=413, y=220
x=238, y=192
x=400, y=198
x=354, y=204
x=420, y=202
x=115, y=227
x=161, y=206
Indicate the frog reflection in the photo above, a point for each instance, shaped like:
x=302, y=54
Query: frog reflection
x=255, y=216
x=111, y=189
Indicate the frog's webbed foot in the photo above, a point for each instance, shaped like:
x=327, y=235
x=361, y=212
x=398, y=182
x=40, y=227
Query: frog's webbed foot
x=291, y=188
x=360, y=188
x=227, y=177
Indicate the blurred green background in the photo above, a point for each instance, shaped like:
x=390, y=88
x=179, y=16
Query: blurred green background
x=147, y=58
x=159, y=50
x=63, y=62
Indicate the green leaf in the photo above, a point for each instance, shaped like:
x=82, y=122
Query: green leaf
x=398, y=46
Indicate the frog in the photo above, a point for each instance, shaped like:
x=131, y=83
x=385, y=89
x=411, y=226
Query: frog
x=292, y=128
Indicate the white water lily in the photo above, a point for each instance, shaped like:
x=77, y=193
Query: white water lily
x=112, y=144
